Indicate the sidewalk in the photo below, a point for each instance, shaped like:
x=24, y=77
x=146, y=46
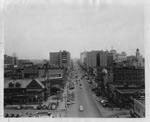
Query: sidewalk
x=108, y=112
x=62, y=104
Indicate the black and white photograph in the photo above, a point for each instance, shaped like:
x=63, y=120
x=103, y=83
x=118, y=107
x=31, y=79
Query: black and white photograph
x=74, y=59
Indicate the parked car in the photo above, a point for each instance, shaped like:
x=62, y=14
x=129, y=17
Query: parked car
x=39, y=107
x=53, y=106
x=6, y=115
x=105, y=104
x=12, y=115
x=17, y=115
x=44, y=107
x=70, y=102
x=44, y=114
x=89, y=81
x=103, y=101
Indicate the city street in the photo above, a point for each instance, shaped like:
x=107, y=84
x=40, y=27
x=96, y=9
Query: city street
x=83, y=97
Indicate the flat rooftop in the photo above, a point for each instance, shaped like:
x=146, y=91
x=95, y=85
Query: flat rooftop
x=130, y=91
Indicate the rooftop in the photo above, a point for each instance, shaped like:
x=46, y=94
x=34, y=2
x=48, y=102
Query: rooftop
x=23, y=82
x=130, y=91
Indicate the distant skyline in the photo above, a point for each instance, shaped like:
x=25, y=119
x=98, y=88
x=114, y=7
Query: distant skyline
x=33, y=30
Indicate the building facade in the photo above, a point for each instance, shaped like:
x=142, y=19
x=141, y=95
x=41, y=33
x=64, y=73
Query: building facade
x=65, y=59
x=23, y=92
x=60, y=59
x=91, y=60
x=127, y=75
x=55, y=58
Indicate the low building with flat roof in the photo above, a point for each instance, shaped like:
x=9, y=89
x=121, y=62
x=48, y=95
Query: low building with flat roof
x=121, y=95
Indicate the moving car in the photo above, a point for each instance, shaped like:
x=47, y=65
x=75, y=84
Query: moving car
x=81, y=108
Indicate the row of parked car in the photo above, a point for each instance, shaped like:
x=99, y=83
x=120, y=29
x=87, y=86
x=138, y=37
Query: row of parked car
x=44, y=114
x=51, y=106
x=12, y=115
x=70, y=98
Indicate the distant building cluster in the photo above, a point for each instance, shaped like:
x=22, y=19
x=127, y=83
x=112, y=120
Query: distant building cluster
x=92, y=59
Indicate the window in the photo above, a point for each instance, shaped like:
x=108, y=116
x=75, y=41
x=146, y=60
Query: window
x=144, y=114
x=11, y=85
x=18, y=85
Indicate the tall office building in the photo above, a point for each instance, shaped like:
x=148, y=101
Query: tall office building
x=114, y=52
x=55, y=58
x=91, y=59
x=61, y=58
x=65, y=59
x=8, y=59
x=109, y=59
x=102, y=59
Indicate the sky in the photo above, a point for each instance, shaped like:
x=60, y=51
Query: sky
x=33, y=28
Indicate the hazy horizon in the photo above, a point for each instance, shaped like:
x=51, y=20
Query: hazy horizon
x=34, y=29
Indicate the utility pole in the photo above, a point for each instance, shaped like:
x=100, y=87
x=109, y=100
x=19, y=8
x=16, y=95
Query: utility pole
x=46, y=82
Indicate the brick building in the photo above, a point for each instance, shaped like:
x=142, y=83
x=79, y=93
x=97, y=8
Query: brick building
x=126, y=75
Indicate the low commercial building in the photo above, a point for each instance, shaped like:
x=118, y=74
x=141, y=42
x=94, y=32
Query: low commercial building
x=55, y=80
x=121, y=95
x=30, y=71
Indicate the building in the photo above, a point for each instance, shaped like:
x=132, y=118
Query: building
x=14, y=73
x=83, y=59
x=109, y=59
x=114, y=52
x=30, y=71
x=82, y=56
x=55, y=58
x=91, y=60
x=131, y=61
x=55, y=80
x=136, y=61
x=65, y=59
x=60, y=59
x=102, y=59
x=140, y=61
x=8, y=59
x=121, y=94
x=23, y=91
x=23, y=62
x=121, y=57
x=139, y=108
x=126, y=75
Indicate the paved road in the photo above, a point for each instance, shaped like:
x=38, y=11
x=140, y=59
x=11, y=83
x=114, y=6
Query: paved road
x=84, y=97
